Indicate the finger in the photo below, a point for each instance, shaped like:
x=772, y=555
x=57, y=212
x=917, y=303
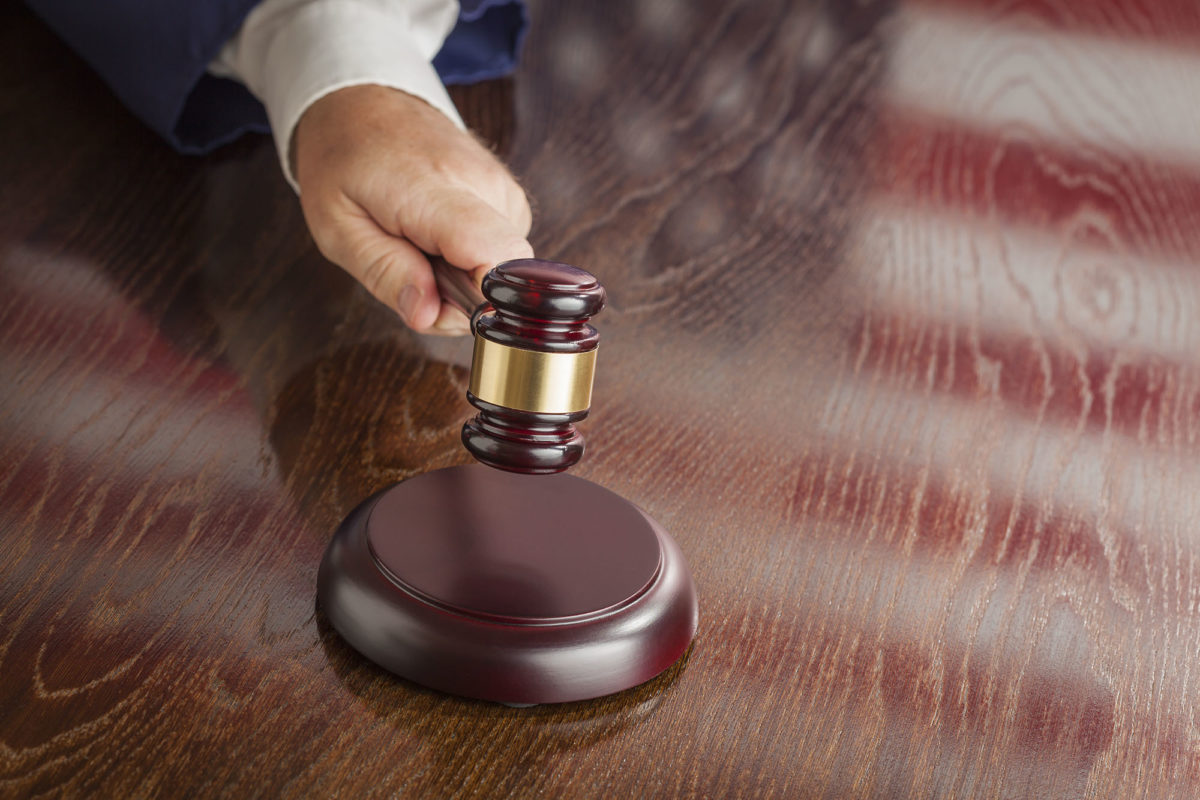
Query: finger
x=392, y=269
x=503, y=193
x=450, y=322
x=497, y=186
x=519, y=210
x=467, y=232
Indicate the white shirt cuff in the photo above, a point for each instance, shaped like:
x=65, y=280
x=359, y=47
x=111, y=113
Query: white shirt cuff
x=290, y=54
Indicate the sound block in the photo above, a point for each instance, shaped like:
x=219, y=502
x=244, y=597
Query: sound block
x=520, y=589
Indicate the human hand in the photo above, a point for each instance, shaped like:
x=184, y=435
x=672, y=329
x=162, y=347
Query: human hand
x=386, y=178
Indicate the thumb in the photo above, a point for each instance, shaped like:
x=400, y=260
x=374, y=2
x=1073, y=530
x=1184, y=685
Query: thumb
x=393, y=270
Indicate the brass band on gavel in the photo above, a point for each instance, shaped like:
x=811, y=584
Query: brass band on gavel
x=526, y=380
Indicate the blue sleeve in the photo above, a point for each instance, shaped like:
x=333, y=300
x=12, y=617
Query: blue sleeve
x=154, y=56
x=485, y=43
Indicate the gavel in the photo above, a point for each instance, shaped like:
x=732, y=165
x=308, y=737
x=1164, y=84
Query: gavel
x=509, y=580
x=534, y=359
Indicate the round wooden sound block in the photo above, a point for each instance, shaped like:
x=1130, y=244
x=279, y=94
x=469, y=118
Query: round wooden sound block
x=520, y=589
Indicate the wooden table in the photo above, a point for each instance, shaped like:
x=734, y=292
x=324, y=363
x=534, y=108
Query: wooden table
x=903, y=348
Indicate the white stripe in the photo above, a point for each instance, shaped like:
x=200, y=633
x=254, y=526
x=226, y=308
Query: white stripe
x=1071, y=88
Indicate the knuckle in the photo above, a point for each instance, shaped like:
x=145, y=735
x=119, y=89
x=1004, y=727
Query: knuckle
x=375, y=276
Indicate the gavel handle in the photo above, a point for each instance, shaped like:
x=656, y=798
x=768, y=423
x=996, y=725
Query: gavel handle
x=457, y=288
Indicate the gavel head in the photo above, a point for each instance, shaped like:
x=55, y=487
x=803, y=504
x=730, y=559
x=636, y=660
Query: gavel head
x=531, y=375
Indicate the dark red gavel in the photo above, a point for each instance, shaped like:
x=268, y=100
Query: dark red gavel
x=531, y=375
x=514, y=584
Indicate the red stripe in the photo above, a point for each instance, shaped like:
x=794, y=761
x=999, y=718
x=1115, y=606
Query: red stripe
x=1113, y=201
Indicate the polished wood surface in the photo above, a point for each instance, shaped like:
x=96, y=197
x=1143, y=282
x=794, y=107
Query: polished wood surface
x=903, y=348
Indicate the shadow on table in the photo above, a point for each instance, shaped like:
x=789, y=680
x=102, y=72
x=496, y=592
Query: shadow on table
x=477, y=748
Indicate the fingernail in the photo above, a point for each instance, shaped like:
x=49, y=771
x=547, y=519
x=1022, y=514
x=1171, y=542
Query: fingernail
x=409, y=299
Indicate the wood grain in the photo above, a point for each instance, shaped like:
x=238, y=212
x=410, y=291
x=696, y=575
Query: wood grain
x=903, y=348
